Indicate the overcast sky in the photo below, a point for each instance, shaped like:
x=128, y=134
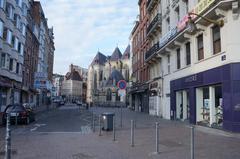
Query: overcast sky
x=81, y=27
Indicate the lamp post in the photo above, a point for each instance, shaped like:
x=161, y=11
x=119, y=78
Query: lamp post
x=192, y=26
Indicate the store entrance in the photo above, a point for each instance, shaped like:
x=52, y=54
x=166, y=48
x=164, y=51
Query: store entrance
x=182, y=102
x=209, y=106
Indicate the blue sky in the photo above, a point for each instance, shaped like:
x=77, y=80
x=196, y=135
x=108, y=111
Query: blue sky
x=81, y=27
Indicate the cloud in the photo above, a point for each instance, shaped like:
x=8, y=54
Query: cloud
x=81, y=27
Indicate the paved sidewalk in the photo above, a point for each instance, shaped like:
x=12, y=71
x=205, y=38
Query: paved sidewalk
x=174, y=141
x=174, y=138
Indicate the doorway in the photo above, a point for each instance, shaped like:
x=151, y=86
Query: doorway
x=182, y=103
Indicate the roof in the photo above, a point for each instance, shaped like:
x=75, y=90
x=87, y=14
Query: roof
x=99, y=59
x=126, y=54
x=116, y=55
x=74, y=75
x=115, y=77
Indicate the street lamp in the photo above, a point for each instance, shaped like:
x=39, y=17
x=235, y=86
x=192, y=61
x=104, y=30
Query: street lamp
x=191, y=25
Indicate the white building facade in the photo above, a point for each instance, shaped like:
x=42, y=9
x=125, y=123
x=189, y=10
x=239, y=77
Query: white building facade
x=13, y=23
x=199, y=69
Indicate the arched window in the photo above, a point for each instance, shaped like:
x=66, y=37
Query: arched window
x=109, y=95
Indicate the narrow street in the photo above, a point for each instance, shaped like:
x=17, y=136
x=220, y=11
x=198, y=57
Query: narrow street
x=65, y=133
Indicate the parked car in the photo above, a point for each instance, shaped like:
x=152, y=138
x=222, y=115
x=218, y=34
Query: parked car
x=23, y=114
x=78, y=102
x=29, y=105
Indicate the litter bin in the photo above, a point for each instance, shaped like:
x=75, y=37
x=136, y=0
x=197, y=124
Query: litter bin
x=108, y=121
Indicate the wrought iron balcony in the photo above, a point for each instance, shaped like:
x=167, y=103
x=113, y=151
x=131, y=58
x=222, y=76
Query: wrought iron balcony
x=153, y=50
x=151, y=4
x=155, y=24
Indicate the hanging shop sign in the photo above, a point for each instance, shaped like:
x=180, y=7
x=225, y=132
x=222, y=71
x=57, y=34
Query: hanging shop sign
x=153, y=85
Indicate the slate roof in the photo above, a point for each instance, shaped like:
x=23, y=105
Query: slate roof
x=126, y=54
x=115, y=76
x=74, y=75
x=99, y=59
x=116, y=55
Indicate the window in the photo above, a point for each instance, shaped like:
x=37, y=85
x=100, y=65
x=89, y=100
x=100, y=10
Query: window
x=23, y=29
x=216, y=39
x=9, y=10
x=17, y=68
x=20, y=48
x=1, y=3
x=24, y=6
x=8, y=34
x=200, y=47
x=1, y=28
x=17, y=21
x=177, y=14
x=178, y=59
x=168, y=60
x=168, y=23
x=15, y=43
x=19, y=3
x=11, y=65
x=3, y=60
x=188, y=53
x=187, y=8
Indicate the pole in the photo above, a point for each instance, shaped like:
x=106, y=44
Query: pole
x=157, y=138
x=132, y=133
x=100, y=125
x=121, y=117
x=8, y=139
x=16, y=120
x=192, y=142
x=93, y=122
x=114, y=130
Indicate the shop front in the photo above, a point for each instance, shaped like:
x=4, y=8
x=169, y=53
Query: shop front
x=140, y=98
x=210, y=98
x=155, y=107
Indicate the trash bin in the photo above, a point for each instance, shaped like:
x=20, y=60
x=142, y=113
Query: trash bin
x=108, y=121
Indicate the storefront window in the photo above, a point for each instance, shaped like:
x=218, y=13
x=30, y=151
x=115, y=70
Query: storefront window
x=209, y=106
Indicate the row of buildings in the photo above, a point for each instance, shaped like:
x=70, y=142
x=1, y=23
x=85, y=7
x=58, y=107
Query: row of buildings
x=182, y=64
x=186, y=66
x=26, y=53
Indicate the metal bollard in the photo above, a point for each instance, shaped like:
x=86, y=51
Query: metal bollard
x=100, y=125
x=132, y=133
x=93, y=123
x=8, y=139
x=157, y=138
x=121, y=117
x=114, y=130
x=192, y=142
x=16, y=120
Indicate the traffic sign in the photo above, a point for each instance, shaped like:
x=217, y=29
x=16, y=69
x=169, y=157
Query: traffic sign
x=122, y=92
x=122, y=84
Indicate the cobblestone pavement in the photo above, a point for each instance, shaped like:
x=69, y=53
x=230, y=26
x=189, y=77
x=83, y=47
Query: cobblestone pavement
x=66, y=133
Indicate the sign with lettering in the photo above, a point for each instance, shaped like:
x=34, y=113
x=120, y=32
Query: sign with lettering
x=202, y=5
x=167, y=37
x=191, y=79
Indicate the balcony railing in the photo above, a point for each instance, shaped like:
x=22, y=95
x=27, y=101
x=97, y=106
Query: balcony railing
x=150, y=4
x=157, y=20
x=154, y=49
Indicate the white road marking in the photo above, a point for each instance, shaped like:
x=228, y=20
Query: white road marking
x=37, y=126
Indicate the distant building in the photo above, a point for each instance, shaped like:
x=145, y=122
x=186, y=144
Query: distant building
x=103, y=75
x=57, y=85
x=72, y=86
